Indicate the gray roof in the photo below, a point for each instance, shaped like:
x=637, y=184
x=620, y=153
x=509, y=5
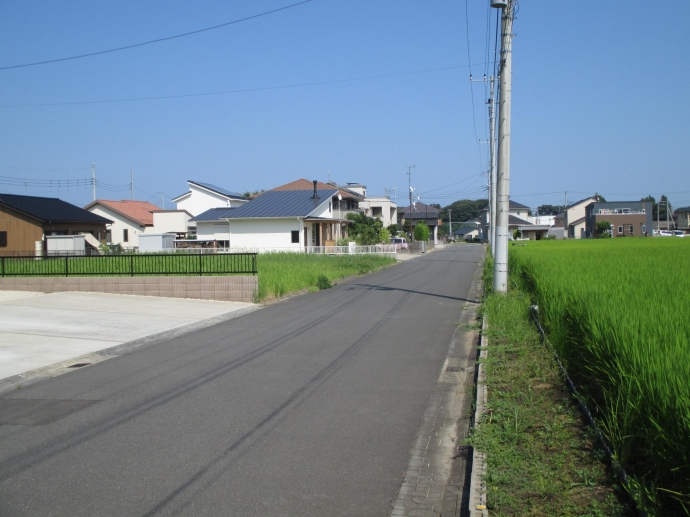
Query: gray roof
x=463, y=231
x=219, y=190
x=512, y=205
x=274, y=203
x=684, y=209
x=213, y=214
x=516, y=221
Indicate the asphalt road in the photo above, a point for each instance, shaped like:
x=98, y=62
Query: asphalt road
x=306, y=407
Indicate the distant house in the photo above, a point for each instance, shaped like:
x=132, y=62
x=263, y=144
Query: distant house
x=466, y=233
x=204, y=196
x=573, y=220
x=27, y=220
x=130, y=219
x=682, y=218
x=518, y=216
x=275, y=220
x=628, y=218
x=534, y=232
x=421, y=212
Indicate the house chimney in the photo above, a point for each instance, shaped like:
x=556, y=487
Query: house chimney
x=315, y=195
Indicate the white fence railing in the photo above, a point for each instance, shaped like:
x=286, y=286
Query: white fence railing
x=325, y=250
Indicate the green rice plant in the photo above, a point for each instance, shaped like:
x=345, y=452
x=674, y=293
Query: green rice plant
x=617, y=312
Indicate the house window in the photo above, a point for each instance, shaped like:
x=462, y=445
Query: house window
x=330, y=205
x=631, y=229
x=644, y=229
x=3, y=239
x=377, y=211
x=295, y=236
x=125, y=235
x=620, y=229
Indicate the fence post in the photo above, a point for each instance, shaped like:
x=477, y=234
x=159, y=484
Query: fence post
x=131, y=265
x=66, y=266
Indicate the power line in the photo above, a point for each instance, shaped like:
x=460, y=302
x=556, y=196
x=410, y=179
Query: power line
x=154, y=40
x=469, y=61
x=441, y=188
x=243, y=90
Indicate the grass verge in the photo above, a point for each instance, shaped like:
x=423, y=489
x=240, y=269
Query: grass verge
x=284, y=273
x=542, y=458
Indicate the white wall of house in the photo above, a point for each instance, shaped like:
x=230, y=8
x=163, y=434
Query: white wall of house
x=576, y=212
x=325, y=210
x=167, y=221
x=266, y=234
x=198, y=200
x=381, y=207
x=120, y=224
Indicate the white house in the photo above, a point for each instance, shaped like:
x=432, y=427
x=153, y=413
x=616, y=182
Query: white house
x=518, y=216
x=173, y=221
x=380, y=207
x=130, y=219
x=279, y=220
x=573, y=219
x=204, y=196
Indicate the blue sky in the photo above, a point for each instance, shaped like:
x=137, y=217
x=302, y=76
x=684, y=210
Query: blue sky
x=599, y=99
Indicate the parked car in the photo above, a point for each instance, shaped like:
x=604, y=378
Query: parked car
x=678, y=233
x=665, y=233
x=400, y=243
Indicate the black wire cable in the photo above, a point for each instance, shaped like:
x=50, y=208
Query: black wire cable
x=158, y=40
x=227, y=92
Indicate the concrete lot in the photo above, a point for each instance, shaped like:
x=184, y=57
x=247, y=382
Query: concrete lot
x=39, y=329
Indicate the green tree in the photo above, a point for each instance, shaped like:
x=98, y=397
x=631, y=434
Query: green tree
x=464, y=210
x=550, y=209
x=393, y=229
x=421, y=232
x=601, y=229
x=366, y=230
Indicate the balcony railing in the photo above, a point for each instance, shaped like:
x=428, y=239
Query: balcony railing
x=618, y=211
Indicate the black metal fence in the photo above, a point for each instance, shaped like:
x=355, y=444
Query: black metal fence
x=130, y=265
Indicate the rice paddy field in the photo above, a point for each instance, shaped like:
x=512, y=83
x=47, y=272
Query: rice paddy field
x=618, y=313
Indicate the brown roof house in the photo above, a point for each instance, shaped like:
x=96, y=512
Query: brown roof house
x=130, y=219
x=27, y=220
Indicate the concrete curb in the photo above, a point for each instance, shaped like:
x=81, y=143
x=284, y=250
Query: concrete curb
x=63, y=367
x=477, y=483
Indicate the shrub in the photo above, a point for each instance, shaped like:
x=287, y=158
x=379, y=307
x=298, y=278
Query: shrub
x=322, y=282
x=421, y=232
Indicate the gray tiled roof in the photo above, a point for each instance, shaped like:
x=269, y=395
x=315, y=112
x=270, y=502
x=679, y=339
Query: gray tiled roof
x=50, y=209
x=274, y=203
x=219, y=190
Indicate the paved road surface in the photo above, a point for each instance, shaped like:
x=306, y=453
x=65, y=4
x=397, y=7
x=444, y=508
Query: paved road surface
x=307, y=407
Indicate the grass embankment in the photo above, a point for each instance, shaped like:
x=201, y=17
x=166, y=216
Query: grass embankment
x=542, y=458
x=617, y=313
x=283, y=273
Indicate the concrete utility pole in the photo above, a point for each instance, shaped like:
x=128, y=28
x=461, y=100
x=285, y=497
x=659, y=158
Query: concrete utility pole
x=93, y=180
x=409, y=210
x=131, y=182
x=503, y=171
x=492, y=170
x=450, y=223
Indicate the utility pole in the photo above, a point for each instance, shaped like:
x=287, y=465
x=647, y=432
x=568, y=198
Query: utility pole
x=503, y=172
x=93, y=180
x=492, y=171
x=162, y=200
x=409, y=210
x=131, y=182
x=450, y=223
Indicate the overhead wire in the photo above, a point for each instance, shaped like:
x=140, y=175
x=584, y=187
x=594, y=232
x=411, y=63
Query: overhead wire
x=469, y=61
x=242, y=90
x=157, y=40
